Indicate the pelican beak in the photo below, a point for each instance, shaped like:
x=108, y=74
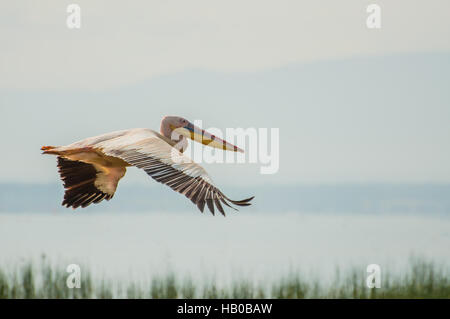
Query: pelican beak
x=201, y=136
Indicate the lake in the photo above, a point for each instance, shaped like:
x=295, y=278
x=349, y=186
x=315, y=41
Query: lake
x=254, y=246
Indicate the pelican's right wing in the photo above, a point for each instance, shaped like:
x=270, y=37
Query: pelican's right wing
x=165, y=164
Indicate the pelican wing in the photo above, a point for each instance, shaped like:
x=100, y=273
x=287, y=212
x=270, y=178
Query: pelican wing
x=165, y=164
x=87, y=184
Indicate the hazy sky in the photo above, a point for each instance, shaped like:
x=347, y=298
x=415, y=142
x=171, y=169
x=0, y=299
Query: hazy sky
x=120, y=43
x=352, y=104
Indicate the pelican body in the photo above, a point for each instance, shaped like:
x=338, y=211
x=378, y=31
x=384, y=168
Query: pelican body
x=92, y=168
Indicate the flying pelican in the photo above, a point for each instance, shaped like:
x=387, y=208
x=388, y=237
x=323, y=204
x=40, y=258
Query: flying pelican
x=91, y=169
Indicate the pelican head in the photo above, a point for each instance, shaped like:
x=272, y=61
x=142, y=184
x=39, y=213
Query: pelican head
x=183, y=127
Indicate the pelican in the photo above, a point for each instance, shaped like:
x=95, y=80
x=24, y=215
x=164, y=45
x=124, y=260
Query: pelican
x=92, y=168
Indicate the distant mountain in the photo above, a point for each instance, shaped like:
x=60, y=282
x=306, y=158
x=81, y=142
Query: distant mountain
x=378, y=119
x=364, y=198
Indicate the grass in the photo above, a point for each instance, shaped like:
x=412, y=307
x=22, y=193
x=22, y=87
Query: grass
x=424, y=279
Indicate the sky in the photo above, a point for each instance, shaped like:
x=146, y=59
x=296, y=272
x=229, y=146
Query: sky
x=121, y=43
x=351, y=104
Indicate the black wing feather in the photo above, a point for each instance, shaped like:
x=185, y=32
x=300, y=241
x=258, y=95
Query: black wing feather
x=79, y=183
x=200, y=191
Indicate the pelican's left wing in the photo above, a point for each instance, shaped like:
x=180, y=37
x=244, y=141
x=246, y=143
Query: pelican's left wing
x=168, y=166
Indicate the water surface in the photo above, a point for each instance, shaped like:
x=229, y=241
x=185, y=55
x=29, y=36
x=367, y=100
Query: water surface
x=135, y=245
